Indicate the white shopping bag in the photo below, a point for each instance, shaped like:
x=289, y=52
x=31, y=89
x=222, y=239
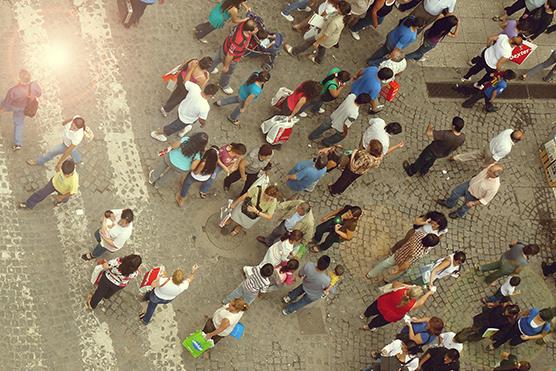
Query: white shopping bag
x=95, y=276
x=271, y=122
x=281, y=93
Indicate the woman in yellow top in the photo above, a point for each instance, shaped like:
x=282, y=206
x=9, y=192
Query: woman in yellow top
x=65, y=183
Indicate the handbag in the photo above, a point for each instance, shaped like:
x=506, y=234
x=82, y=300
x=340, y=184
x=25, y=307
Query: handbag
x=280, y=96
x=97, y=274
x=32, y=105
x=151, y=275
x=247, y=202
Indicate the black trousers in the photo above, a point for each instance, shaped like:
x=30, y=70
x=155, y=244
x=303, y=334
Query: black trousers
x=209, y=327
x=518, y=5
x=343, y=181
x=549, y=269
x=138, y=11
x=378, y=320
x=479, y=65
x=423, y=163
x=512, y=334
x=179, y=94
x=105, y=290
x=326, y=227
x=235, y=176
x=407, y=6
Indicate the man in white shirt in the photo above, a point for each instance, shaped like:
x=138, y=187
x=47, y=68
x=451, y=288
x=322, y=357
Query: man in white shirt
x=396, y=62
x=499, y=147
x=194, y=108
x=116, y=229
x=480, y=190
x=165, y=290
x=379, y=130
x=341, y=119
x=492, y=58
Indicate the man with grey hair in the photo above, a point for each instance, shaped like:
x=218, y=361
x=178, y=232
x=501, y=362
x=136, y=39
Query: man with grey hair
x=499, y=147
x=396, y=62
x=296, y=214
x=480, y=190
x=16, y=100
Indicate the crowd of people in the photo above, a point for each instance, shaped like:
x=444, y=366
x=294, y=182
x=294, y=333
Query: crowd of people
x=422, y=343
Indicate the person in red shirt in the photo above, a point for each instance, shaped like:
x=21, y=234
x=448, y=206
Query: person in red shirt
x=234, y=48
x=394, y=305
x=306, y=92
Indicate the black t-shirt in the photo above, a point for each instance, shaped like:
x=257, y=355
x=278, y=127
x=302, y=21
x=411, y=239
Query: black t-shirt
x=445, y=142
x=436, y=361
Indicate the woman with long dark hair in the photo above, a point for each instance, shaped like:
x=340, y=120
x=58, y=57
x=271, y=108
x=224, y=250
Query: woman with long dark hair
x=332, y=85
x=339, y=225
x=181, y=156
x=499, y=316
x=248, y=92
x=306, y=92
x=115, y=276
x=445, y=26
x=200, y=174
x=218, y=16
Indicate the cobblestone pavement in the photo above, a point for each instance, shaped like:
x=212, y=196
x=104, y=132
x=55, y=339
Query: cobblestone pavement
x=113, y=80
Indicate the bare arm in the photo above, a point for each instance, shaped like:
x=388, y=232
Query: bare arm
x=241, y=167
x=429, y=132
x=235, y=18
x=297, y=107
x=247, y=102
x=330, y=214
x=238, y=200
x=223, y=325
x=500, y=63
x=65, y=155
x=445, y=264
x=422, y=300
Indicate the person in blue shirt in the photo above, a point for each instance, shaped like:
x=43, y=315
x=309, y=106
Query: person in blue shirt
x=399, y=38
x=491, y=90
x=369, y=81
x=306, y=174
x=532, y=325
x=248, y=92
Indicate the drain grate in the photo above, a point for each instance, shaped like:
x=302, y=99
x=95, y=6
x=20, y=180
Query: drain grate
x=515, y=91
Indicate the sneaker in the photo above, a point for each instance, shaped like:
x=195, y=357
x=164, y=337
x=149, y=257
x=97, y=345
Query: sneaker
x=227, y=90
x=306, y=9
x=31, y=162
x=442, y=203
x=454, y=215
x=288, y=17
x=322, y=110
x=16, y=147
x=159, y=137
x=285, y=313
x=204, y=41
x=463, y=79
x=286, y=299
x=355, y=35
x=312, y=59
x=247, y=271
x=214, y=71
x=163, y=112
x=477, y=86
x=22, y=205
x=422, y=59
x=151, y=181
x=184, y=131
x=288, y=48
x=303, y=114
x=470, y=62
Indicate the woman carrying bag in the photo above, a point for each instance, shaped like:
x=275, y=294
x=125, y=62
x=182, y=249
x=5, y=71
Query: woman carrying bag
x=200, y=174
x=224, y=320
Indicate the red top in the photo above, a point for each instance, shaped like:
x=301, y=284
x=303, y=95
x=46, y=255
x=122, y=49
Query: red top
x=236, y=43
x=295, y=97
x=388, y=305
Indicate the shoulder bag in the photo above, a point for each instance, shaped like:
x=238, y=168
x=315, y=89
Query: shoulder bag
x=247, y=202
x=32, y=104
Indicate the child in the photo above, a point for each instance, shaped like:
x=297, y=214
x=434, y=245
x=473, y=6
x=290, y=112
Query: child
x=285, y=275
x=335, y=278
x=506, y=290
x=109, y=220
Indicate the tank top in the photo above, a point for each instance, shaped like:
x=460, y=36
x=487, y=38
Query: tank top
x=451, y=269
x=386, y=8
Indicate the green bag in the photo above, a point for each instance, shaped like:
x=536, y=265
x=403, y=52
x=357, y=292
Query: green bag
x=299, y=251
x=197, y=344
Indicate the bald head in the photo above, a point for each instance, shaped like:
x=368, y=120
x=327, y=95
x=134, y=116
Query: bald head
x=517, y=135
x=494, y=171
x=396, y=55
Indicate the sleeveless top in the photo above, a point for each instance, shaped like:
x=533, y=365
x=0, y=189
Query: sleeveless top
x=451, y=269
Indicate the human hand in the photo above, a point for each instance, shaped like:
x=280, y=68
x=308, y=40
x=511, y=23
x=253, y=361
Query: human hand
x=525, y=337
x=432, y=289
x=225, y=68
x=337, y=227
x=316, y=44
x=252, y=209
x=401, y=144
x=469, y=204
x=194, y=268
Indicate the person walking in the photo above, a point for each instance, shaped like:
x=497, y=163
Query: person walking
x=325, y=9
x=398, y=355
x=444, y=142
x=338, y=224
x=480, y=190
x=295, y=215
x=74, y=131
x=394, y=305
x=492, y=90
x=249, y=168
x=305, y=175
x=301, y=5
x=220, y=14
x=332, y=85
x=539, y=19
x=248, y=92
x=432, y=222
x=417, y=246
x=115, y=276
x=259, y=278
x=64, y=183
x=229, y=158
x=194, y=108
x=531, y=5
x=379, y=130
x=202, y=173
x=181, y=156
x=17, y=99
x=224, y=320
x=511, y=262
x=450, y=266
x=230, y=54
x=550, y=61
x=258, y=202
x=442, y=27
x=305, y=93
x=194, y=70
x=430, y=10
x=534, y=324
x=499, y=147
x=422, y=331
x=327, y=38
x=139, y=7
x=165, y=290
x=280, y=252
x=340, y=120
x=399, y=38
x=373, y=17
x=500, y=316
x=506, y=290
x=315, y=281
x=114, y=232
x=369, y=81
x=360, y=163
x=396, y=62
x=510, y=362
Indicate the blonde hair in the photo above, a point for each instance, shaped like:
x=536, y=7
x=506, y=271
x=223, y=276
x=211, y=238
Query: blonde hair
x=178, y=276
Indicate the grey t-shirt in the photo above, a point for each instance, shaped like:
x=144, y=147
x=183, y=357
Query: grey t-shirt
x=254, y=164
x=515, y=253
x=315, y=281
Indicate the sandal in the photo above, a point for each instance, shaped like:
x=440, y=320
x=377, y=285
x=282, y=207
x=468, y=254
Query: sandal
x=235, y=231
x=234, y=122
x=203, y=195
x=496, y=18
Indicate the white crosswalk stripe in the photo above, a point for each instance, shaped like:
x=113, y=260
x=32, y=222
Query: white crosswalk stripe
x=97, y=350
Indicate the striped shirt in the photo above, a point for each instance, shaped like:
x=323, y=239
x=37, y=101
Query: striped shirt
x=236, y=43
x=412, y=250
x=114, y=275
x=256, y=282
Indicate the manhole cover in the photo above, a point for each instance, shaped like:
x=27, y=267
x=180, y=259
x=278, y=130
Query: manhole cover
x=227, y=242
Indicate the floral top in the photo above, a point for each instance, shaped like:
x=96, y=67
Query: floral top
x=362, y=161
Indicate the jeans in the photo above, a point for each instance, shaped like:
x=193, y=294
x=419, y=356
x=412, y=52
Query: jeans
x=326, y=227
x=423, y=163
x=240, y=292
x=233, y=100
x=276, y=233
x=174, y=127
x=425, y=47
x=479, y=65
x=151, y=307
x=18, y=119
x=313, y=105
x=189, y=180
x=378, y=56
x=381, y=266
x=541, y=66
x=294, y=306
x=98, y=251
x=41, y=194
x=205, y=187
x=235, y=176
x=461, y=190
x=225, y=76
x=378, y=320
x=105, y=290
x=306, y=44
x=515, y=7
x=498, y=296
x=330, y=140
x=295, y=5
x=203, y=29
x=502, y=267
x=58, y=150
